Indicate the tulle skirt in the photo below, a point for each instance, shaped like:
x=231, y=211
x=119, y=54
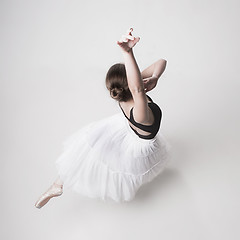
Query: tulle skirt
x=105, y=159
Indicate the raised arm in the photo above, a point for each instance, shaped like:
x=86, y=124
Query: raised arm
x=152, y=73
x=156, y=69
x=141, y=110
x=134, y=77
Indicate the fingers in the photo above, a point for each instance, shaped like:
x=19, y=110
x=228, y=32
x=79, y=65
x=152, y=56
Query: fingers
x=120, y=42
x=125, y=38
x=137, y=39
x=145, y=81
x=130, y=37
x=129, y=31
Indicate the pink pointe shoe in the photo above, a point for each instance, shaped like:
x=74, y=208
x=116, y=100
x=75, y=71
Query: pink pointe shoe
x=54, y=191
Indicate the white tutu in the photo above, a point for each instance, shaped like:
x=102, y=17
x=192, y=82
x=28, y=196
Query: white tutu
x=106, y=159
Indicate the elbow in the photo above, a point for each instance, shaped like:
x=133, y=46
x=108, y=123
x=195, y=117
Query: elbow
x=162, y=66
x=163, y=60
x=163, y=63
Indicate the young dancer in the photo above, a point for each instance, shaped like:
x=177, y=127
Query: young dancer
x=112, y=158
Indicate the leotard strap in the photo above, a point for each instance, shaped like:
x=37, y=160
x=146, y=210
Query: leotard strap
x=153, y=128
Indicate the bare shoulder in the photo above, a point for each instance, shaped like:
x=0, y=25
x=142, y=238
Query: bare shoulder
x=142, y=113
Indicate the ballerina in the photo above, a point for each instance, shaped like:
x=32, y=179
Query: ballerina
x=112, y=158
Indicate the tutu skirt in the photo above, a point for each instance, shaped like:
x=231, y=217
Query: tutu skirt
x=105, y=159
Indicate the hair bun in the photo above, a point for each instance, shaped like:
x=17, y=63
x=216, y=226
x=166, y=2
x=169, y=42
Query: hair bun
x=117, y=84
x=116, y=93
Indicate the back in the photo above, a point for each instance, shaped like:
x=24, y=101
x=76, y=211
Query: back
x=143, y=130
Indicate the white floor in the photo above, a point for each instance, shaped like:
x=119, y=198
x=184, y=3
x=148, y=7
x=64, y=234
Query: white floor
x=52, y=83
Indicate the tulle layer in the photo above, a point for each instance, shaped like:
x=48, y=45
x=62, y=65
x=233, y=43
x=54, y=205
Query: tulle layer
x=106, y=159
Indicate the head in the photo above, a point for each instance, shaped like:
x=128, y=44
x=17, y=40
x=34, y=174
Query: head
x=116, y=83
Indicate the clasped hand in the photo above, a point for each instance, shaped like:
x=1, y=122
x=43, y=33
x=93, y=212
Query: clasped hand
x=127, y=41
x=150, y=83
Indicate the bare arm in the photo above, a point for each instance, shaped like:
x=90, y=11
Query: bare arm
x=141, y=111
x=134, y=77
x=156, y=69
x=135, y=84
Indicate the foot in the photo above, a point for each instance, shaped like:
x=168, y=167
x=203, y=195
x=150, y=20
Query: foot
x=54, y=191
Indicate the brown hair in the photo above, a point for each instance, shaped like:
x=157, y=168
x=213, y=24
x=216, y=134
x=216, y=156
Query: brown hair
x=116, y=83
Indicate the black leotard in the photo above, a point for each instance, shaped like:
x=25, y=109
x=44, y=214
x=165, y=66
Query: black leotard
x=152, y=129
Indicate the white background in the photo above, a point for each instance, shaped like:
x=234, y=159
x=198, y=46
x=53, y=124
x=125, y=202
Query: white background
x=54, y=57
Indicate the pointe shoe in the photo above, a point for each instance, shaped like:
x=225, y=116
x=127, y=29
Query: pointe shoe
x=54, y=191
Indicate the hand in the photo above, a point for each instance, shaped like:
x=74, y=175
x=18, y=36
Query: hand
x=127, y=42
x=150, y=83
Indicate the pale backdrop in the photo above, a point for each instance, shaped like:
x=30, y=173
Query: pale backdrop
x=54, y=57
